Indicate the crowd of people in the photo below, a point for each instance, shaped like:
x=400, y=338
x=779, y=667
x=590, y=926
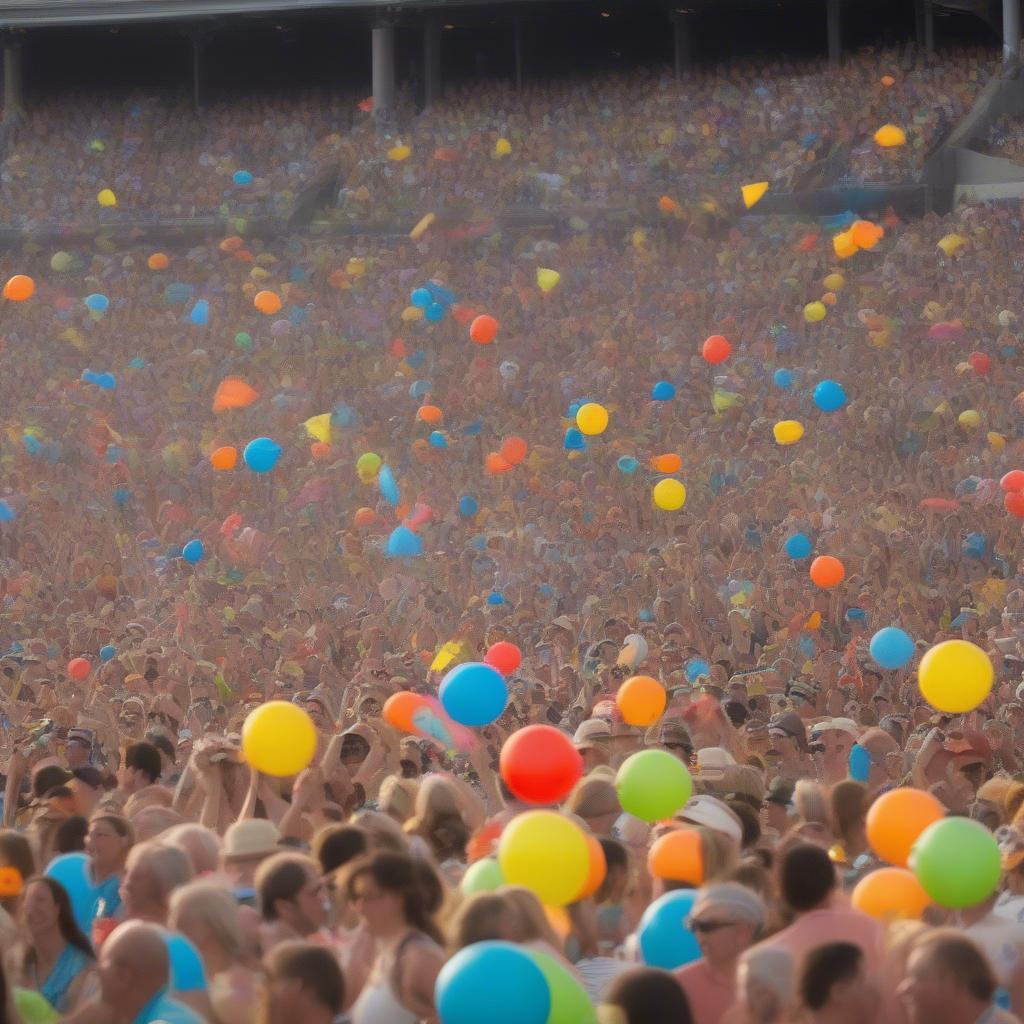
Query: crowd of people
x=428, y=496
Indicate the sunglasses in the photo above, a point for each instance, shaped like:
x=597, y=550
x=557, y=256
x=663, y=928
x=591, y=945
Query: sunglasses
x=707, y=927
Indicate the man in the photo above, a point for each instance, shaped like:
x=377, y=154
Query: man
x=152, y=873
x=142, y=767
x=837, y=737
x=247, y=844
x=787, y=754
x=592, y=739
x=835, y=987
x=949, y=981
x=292, y=899
x=304, y=983
x=726, y=918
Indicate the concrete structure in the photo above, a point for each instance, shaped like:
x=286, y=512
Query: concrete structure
x=1011, y=30
x=682, y=41
x=384, y=82
x=13, y=78
x=834, y=22
x=431, y=59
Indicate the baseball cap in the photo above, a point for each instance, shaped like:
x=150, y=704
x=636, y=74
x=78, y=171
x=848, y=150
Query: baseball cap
x=780, y=791
x=789, y=723
x=592, y=731
x=712, y=813
x=847, y=725
x=713, y=761
x=254, y=837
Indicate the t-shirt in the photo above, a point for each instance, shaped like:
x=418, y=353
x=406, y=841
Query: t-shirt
x=1002, y=942
x=818, y=927
x=709, y=994
x=187, y=974
x=162, y=1008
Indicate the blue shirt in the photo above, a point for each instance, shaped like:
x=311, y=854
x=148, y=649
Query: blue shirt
x=186, y=965
x=166, y=1010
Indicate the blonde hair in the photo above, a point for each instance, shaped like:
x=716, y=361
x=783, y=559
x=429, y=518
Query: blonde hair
x=485, y=916
x=169, y=864
x=438, y=819
x=810, y=803
x=532, y=919
x=214, y=907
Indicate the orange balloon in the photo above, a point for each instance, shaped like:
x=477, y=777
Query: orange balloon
x=224, y=458
x=866, y=235
x=558, y=918
x=267, y=302
x=399, y=709
x=716, y=349
x=320, y=451
x=598, y=868
x=365, y=516
x=429, y=414
x=233, y=393
x=484, y=329
x=890, y=894
x=829, y=299
x=641, y=700
x=513, y=450
x=496, y=464
x=677, y=856
x=158, y=261
x=827, y=572
x=667, y=205
x=670, y=463
x=232, y=244
x=19, y=288
x=897, y=818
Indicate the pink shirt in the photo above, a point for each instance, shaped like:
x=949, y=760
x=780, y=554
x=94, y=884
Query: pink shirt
x=709, y=994
x=820, y=926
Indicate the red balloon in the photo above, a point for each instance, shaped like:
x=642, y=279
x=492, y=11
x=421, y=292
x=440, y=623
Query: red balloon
x=503, y=656
x=79, y=668
x=716, y=349
x=1014, y=503
x=540, y=765
x=980, y=363
x=1013, y=481
x=483, y=329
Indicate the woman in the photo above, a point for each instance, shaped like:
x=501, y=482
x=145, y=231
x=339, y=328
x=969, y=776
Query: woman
x=57, y=961
x=484, y=917
x=849, y=818
x=16, y=853
x=388, y=895
x=440, y=827
x=108, y=841
x=207, y=915
x=646, y=995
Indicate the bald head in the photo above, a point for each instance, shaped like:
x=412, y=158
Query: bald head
x=134, y=965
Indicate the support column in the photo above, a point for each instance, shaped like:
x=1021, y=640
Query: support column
x=383, y=46
x=14, y=109
x=834, y=15
x=431, y=61
x=1011, y=30
x=929, y=26
x=199, y=40
x=682, y=41
x=517, y=42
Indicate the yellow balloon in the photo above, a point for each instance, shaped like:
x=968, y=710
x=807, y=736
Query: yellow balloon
x=997, y=442
x=399, y=153
x=955, y=676
x=815, y=312
x=421, y=226
x=788, y=431
x=889, y=135
x=546, y=853
x=835, y=282
x=106, y=198
x=279, y=738
x=969, y=419
x=368, y=463
x=547, y=278
x=502, y=147
x=669, y=495
x=752, y=193
x=592, y=418
x=844, y=245
x=411, y=313
x=950, y=243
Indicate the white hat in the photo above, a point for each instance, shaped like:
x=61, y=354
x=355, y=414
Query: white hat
x=714, y=760
x=847, y=725
x=710, y=812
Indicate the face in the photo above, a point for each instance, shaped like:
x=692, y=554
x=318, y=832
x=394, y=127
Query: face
x=837, y=745
x=103, y=844
x=719, y=938
x=377, y=909
x=925, y=990
x=139, y=889
x=39, y=909
x=308, y=910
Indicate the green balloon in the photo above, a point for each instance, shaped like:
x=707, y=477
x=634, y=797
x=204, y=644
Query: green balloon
x=483, y=876
x=652, y=785
x=60, y=261
x=957, y=861
x=570, y=1003
x=243, y=339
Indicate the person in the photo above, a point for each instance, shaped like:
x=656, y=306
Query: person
x=765, y=988
x=835, y=986
x=438, y=825
x=152, y=872
x=304, y=983
x=1002, y=942
x=292, y=898
x=108, y=842
x=142, y=768
x=57, y=959
x=645, y=995
x=247, y=844
x=726, y=918
x=388, y=897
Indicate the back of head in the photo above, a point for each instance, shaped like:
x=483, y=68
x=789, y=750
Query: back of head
x=532, y=921
x=169, y=865
x=152, y=821
x=485, y=916
x=806, y=877
x=646, y=995
x=282, y=877
x=336, y=845
x=209, y=911
x=314, y=968
x=849, y=807
x=823, y=968
x=138, y=963
x=809, y=800
x=200, y=844
x=145, y=758
x=382, y=830
x=593, y=797
x=953, y=953
x=773, y=969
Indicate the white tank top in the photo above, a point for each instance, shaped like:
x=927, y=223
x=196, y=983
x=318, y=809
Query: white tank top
x=378, y=1003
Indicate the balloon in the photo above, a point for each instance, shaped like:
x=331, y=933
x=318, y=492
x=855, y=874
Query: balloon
x=420, y=298
x=890, y=894
x=783, y=379
x=843, y=245
x=627, y=464
x=896, y=820
x=669, y=495
x=474, y=694
x=158, y=261
x=950, y=243
x=19, y=288
x=403, y=543
x=243, y=340
x=752, y=193
x=484, y=329
x=437, y=439
x=499, y=976
x=677, y=856
x=399, y=153
x=502, y=147
x=429, y=414
x=1014, y=503
x=224, y=458
x=798, y=545
x=827, y=572
x=61, y=261
x=368, y=464
x=495, y=465
x=663, y=391
x=653, y=784
x=107, y=652
x=829, y=396
x=634, y=650
x=547, y=278
x=97, y=303
x=79, y=669
x=468, y=506
x=242, y=177
x=279, y=738
x=574, y=440
x=513, y=450
x=434, y=313
x=955, y=676
x=957, y=861
x=891, y=647
x=980, y=362
x=641, y=700
x=1013, y=481
x=365, y=516
x=834, y=282
x=504, y=656
x=889, y=135
x=592, y=419
x=695, y=668
x=106, y=197
x=71, y=870
x=815, y=312
x=969, y=419
x=547, y=853
x=483, y=876
x=400, y=707
x=570, y=1003
x=716, y=349
x=200, y=313
x=193, y=552
x=866, y=235
x=261, y=454
x=267, y=302
x=665, y=941
x=388, y=486
x=540, y=765
x=788, y=431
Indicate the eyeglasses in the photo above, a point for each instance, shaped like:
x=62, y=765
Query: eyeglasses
x=707, y=927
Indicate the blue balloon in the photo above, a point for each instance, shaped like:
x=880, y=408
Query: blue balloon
x=474, y=694
x=440, y=294
x=627, y=464
x=975, y=545
x=434, y=313
x=783, y=379
x=419, y=388
x=178, y=292
x=32, y=444
x=72, y=871
x=242, y=177
x=261, y=455
x=97, y=303
x=403, y=543
x=107, y=652
x=891, y=647
x=829, y=396
x=106, y=381
x=663, y=391
x=500, y=976
x=696, y=668
x=495, y=598
x=417, y=359
x=420, y=298
x=7, y=514
x=645, y=615
x=122, y=496
x=473, y=429
x=665, y=941
x=186, y=965
x=574, y=440
x=193, y=552
x=859, y=763
x=468, y=506
x=798, y=545
x=437, y=439
x=388, y=487
x=200, y=314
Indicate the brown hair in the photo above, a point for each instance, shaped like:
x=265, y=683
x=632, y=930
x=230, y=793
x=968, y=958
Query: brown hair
x=282, y=877
x=849, y=807
x=315, y=969
x=66, y=923
x=953, y=952
x=396, y=873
